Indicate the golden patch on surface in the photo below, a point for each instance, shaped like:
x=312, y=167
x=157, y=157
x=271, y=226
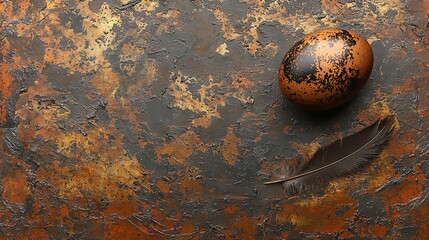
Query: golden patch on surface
x=208, y=101
x=222, y=49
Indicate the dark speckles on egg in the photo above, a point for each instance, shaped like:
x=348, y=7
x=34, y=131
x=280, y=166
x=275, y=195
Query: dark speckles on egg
x=326, y=69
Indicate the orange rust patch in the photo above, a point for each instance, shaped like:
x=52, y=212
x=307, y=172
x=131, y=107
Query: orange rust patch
x=243, y=83
x=121, y=52
x=405, y=191
x=147, y=6
x=229, y=32
x=306, y=151
x=170, y=21
x=93, y=178
x=307, y=217
x=284, y=234
x=286, y=129
x=426, y=8
x=267, y=167
x=15, y=187
x=346, y=234
x=26, y=133
x=163, y=186
x=129, y=55
x=380, y=174
x=102, y=163
x=407, y=86
x=201, y=122
x=163, y=222
x=370, y=230
x=123, y=207
x=95, y=25
x=191, y=184
x=231, y=209
x=5, y=90
x=401, y=145
x=181, y=148
x=422, y=106
x=127, y=229
x=15, y=13
x=106, y=82
x=377, y=110
x=420, y=219
x=64, y=211
x=34, y=233
x=187, y=227
x=230, y=147
x=243, y=226
x=149, y=75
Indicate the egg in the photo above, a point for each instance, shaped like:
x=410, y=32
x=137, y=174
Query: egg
x=325, y=69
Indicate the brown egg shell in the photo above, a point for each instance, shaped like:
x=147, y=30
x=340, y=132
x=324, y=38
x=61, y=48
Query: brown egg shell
x=325, y=69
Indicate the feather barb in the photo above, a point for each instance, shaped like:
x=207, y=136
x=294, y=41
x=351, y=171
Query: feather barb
x=341, y=157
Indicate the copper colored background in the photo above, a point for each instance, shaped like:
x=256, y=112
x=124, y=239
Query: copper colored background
x=161, y=120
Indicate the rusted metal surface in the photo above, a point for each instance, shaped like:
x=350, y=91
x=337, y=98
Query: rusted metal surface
x=162, y=119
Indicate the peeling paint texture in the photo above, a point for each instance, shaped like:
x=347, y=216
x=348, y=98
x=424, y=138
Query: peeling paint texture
x=140, y=119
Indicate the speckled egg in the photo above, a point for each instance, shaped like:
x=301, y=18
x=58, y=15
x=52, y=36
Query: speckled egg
x=325, y=69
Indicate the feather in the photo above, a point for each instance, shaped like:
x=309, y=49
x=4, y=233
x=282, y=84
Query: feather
x=340, y=158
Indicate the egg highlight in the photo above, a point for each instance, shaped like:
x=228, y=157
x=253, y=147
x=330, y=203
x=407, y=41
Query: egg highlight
x=325, y=69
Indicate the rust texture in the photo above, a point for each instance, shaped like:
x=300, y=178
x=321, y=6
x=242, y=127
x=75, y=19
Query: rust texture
x=162, y=119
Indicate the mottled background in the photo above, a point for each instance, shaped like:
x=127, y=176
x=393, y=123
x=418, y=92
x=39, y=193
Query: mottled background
x=162, y=119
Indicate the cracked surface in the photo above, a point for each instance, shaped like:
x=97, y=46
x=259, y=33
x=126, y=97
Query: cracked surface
x=149, y=119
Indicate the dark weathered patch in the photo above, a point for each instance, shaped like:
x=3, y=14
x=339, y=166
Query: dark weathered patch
x=162, y=119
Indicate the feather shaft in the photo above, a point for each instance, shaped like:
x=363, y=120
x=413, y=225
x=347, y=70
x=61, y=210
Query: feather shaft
x=328, y=165
x=340, y=157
